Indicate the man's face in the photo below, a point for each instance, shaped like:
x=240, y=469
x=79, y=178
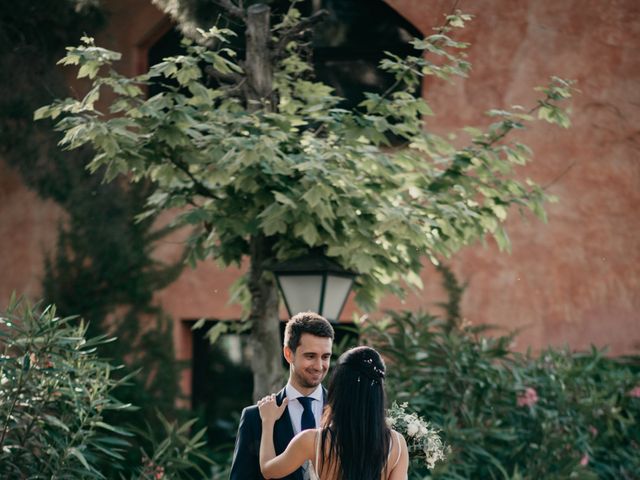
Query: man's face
x=309, y=364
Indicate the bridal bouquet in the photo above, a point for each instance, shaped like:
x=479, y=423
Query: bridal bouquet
x=422, y=439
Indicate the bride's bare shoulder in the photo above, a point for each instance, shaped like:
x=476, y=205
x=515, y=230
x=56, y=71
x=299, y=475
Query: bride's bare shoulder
x=306, y=438
x=398, y=443
x=398, y=457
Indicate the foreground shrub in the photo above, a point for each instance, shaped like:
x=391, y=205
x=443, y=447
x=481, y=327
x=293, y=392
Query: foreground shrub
x=54, y=394
x=508, y=415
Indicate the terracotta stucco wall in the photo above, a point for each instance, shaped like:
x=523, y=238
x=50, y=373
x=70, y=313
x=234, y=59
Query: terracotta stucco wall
x=28, y=230
x=575, y=280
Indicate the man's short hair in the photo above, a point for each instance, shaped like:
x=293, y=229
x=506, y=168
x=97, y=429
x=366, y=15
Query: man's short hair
x=306, y=322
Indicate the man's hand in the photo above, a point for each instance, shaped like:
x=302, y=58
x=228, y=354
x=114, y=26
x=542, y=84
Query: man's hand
x=269, y=409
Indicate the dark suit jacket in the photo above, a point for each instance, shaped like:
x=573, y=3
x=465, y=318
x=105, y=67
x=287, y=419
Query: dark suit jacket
x=246, y=456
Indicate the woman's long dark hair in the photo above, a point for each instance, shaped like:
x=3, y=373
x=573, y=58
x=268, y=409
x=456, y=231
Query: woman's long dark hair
x=354, y=424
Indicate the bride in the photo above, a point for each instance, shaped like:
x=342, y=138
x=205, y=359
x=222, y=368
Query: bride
x=354, y=441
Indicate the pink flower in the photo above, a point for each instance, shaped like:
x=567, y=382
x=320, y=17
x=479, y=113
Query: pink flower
x=584, y=461
x=635, y=392
x=528, y=398
x=593, y=430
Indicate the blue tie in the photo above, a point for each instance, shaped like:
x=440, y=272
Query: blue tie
x=308, y=420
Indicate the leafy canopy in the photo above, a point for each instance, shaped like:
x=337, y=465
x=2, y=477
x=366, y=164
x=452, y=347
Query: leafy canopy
x=299, y=169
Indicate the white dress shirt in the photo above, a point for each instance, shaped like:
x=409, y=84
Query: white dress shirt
x=296, y=408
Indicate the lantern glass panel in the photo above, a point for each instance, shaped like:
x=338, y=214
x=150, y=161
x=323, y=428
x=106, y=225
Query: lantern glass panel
x=336, y=292
x=302, y=292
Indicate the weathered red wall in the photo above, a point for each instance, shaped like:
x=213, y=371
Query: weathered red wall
x=572, y=280
x=28, y=229
x=575, y=280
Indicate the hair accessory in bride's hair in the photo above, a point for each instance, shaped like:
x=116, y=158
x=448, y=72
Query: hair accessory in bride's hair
x=364, y=361
x=376, y=370
x=367, y=368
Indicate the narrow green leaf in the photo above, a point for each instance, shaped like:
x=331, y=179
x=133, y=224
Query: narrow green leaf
x=78, y=454
x=113, y=429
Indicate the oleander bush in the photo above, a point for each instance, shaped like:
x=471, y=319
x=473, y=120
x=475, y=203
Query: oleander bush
x=506, y=415
x=56, y=396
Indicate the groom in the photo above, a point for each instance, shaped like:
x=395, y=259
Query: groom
x=308, y=339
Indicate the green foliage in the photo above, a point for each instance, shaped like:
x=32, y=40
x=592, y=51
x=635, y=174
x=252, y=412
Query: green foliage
x=55, y=397
x=103, y=271
x=177, y=454
x=55, y=393
x=512, y=416
x=301, y=171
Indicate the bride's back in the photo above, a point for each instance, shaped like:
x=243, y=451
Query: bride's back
x=356, y=442
x=324, y=468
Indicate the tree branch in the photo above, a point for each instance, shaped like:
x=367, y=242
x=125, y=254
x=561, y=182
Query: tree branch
x=559, y=177
x=199, y=187
x=235, y=90
x=232, y=10
x=441, y=29
x=300, y=27
x=232, y=78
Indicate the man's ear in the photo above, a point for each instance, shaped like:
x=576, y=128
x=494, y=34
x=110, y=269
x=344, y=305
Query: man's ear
x=288, y=354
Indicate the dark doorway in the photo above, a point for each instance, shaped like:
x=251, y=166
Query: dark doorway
x=348, y=47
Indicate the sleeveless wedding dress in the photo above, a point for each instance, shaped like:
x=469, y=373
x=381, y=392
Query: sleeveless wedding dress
x=310, y=468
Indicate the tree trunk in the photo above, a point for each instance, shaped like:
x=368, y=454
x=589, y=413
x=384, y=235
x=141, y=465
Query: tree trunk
x=265, y=331
x=265, y=327
x=258, y=59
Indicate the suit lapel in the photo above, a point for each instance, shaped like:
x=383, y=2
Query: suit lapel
x=283, y=429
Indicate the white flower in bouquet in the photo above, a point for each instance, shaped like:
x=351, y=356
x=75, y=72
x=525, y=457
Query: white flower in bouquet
x=413, y=428
x=423, y=440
